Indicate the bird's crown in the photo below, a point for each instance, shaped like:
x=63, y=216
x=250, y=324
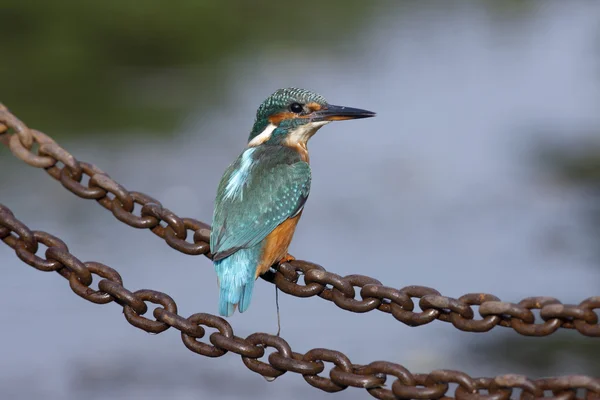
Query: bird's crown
x=284, y=99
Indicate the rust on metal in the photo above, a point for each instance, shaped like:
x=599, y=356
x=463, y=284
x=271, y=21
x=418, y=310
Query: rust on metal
x=382, y=379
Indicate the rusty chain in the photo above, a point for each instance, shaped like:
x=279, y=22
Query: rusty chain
x=372, y=377
x=38, y=150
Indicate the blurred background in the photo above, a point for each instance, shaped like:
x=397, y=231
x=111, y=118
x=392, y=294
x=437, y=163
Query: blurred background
x=481, y=173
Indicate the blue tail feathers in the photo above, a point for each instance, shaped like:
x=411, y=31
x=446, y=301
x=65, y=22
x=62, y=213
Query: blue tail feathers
x=236, y=280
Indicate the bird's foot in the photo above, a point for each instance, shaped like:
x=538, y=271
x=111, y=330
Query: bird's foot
x=287, y=258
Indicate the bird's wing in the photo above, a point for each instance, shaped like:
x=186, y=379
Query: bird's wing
x=255, y=196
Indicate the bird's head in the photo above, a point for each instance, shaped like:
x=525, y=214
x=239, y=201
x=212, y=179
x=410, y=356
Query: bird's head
x=293, y=116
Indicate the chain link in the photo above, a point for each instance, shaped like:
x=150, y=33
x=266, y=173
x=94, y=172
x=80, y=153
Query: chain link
x=381, y=379
x=340, y=290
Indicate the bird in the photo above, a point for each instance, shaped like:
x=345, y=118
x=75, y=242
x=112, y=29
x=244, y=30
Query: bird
x=261, y=195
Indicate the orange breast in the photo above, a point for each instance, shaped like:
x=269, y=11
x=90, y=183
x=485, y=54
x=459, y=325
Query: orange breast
x=277, y=243
x=300, y=148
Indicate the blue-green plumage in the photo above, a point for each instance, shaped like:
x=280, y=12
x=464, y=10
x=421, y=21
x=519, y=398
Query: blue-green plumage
x=265, y=186
x=236, y=279
x=264, y=189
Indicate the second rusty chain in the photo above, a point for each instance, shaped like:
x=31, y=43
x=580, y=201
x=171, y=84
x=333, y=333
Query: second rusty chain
x=311, y=365
x=39, y=150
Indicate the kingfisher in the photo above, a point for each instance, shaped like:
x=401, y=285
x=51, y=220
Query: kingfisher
x=261, y=195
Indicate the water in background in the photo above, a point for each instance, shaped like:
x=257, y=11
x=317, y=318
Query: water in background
x=440, y=189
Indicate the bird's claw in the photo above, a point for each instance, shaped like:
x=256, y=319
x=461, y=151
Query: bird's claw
x=287, y=258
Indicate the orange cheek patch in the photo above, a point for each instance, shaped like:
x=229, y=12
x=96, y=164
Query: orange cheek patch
x=314, y=106
x=275, y=119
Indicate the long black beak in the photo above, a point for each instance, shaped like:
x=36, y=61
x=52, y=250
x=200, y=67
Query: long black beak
x=340, y=113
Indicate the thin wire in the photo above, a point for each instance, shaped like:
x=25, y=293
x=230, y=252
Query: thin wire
x=277, y=305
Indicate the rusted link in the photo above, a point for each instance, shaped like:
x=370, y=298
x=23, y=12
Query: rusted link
x=295, y=364
x=71, y=262
x=569, y=313
x=35, y=261
x=446, y=306
x=511, y=381
x=202, y=234
x=423, y=389
x=162, y=214
x=196, y=248
x=55, y=152
x=127, y=217
x=4, y=232
x=178, y=322
x=536, y=303
x=506, y=311
x=21, y=131
x=472, y=325
x=211, y=321
x=24, y=234
x=415, y=319
x=95, y=296
x=105, y=182
x=22, y=150
x=354, y=379
x=123, y=296
x=324, y=278
x=446, y=376
x=144, y=323
x=384, y=368
x=237, y=345
x=341, y=362
x=584, y=327
x=75, y=186
x=390, y=297
x=570, y=382
x=350, y=303
x=494, y=393
x=287, y=279
x=265, y=340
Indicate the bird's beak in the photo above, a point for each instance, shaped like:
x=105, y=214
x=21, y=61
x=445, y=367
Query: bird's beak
x=340, y=113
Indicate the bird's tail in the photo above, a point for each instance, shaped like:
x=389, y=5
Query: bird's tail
x=236, y=275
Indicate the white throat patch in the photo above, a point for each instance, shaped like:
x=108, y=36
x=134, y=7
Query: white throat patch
x=301, y=134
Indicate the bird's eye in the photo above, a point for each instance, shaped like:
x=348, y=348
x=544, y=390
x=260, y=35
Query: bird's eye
x=296, y=108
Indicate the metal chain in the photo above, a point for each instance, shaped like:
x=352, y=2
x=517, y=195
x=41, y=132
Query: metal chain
x=38, y=150
x=401, y=383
